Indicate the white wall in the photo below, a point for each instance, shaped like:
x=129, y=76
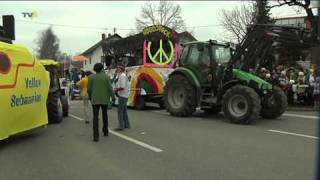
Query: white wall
x=95, y=58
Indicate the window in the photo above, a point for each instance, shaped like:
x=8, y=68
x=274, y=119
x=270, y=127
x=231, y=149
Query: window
x=90, y=60
x=194, y=55
x=184, y=54
x=205, y=57
x=222, y=54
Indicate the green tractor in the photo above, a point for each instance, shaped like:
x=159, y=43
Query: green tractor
x=216, y=78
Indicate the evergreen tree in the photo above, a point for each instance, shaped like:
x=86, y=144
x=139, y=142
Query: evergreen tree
x=262, y=12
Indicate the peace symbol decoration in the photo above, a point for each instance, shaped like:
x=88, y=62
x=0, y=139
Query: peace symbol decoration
x=163, y=56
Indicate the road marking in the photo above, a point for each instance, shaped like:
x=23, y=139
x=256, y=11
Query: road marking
x=152, y=148
x=162, y=112
x=76, y=117
x=301, y=116
x=294, y=134
x=140, y=143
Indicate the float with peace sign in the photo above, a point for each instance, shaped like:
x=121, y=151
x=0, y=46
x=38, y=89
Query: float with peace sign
x=149, y=57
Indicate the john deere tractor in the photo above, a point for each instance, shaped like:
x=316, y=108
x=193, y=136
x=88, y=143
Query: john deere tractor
x=212, y=76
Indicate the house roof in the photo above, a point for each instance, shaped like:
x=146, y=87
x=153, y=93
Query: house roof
x=186, y=34
x=94, y=47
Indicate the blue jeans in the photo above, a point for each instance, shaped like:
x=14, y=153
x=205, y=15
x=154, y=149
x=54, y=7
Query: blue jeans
x=123, y=113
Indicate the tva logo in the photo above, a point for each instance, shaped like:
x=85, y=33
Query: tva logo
x=31, y=15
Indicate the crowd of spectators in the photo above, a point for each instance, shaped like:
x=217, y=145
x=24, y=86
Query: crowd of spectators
x=302, y=86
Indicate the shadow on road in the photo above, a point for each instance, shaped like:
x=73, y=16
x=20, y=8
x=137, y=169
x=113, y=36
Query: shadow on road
x=17, y=139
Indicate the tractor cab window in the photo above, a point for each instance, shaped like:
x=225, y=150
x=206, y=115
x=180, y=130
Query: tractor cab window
x=222, y=54
x=205, y=58
x=184, y=55
x=194, y=56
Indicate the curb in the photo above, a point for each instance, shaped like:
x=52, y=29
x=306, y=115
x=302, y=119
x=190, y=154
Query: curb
x=301, y=109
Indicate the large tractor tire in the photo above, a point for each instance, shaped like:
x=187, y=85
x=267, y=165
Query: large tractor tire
x=65, y=105
x=274, y=104
x=241, y=104
x=54, y=106
x=179, y=96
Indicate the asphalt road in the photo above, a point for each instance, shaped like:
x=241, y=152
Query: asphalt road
x=162, y=147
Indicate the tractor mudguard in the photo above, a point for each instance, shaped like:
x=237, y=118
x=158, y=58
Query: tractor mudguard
x=251, y=80
x=226, y=86
x=191, y=77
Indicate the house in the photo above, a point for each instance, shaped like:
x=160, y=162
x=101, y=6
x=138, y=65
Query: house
x=185, y=37
x=301, y=21
x=95, y=53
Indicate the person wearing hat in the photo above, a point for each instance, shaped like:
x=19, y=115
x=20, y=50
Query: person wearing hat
x=122, y=91
x=100, y=92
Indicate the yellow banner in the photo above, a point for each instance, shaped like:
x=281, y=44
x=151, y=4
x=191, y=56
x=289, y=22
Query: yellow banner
x=24, y=86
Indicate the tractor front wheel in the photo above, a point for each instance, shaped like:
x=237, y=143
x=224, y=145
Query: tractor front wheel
x=179, y=96
x=274, y=104
x=241, y=104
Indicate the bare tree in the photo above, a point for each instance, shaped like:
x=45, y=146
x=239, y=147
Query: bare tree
x=164, y=13
x=236, y=21
x=48, y=44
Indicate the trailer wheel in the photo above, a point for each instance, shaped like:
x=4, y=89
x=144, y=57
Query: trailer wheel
x=241, y=104
x=65, y=105
x=140, y=103
x=274, y=104
x=179, y=96
x=54, y=106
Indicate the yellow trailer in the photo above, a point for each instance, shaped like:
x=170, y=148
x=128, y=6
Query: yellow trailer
x=24, y=86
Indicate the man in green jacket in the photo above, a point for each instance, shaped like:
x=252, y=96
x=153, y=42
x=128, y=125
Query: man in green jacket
x=100, y=94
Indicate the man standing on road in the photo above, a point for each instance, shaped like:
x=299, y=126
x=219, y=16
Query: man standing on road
x=100, y=93
x=122, y=91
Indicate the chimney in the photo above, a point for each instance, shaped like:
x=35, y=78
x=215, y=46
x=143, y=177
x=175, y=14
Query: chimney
x=109, y=35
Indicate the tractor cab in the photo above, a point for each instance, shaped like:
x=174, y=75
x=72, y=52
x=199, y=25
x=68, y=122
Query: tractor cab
x=205, y=59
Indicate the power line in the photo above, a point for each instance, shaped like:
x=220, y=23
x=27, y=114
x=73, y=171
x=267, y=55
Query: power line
x=62, y=25
x=101, y=28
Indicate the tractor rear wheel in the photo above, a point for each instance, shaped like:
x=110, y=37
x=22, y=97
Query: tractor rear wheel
x=54, y=106
x=179, y=96
x=274, y=104
x=241, y=104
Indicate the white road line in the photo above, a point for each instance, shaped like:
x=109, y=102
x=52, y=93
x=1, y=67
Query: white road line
x=162, y=112
x=294, y=134
x=300, y=116
x=76, y=117
x=147, y=146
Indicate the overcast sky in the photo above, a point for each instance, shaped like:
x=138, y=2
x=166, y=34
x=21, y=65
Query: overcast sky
x=109, y=14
